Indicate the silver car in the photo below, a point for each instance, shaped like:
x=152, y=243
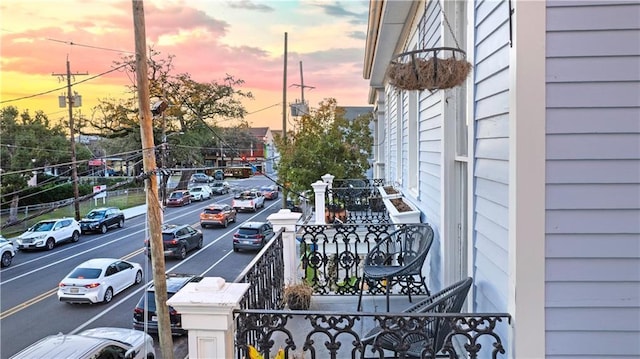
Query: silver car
x=103, y=342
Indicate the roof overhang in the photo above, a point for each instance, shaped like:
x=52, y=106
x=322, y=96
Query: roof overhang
x=387, y=21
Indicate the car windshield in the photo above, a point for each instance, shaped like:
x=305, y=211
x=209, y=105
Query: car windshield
x=43, y=226
x=266, y=189
x=196, y=189
x=176, y=195
x=247, y=195
x=212, y=210
x=217, y=185
x=168, y=236
x=85, y=273
x=95, y=214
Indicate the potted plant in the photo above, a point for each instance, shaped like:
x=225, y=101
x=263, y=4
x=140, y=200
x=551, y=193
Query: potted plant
x=298, y=296
x=335, y=211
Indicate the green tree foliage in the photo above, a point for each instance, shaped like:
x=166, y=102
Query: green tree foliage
x=326, y=142
x=32, y=143
x=194, y=109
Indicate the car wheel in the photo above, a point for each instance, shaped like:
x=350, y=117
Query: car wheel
x=183, y=253
x=226, y=223
x=75, y=236
x=138, y=277
x=108, y=295
x=103, y=228
x=200, y=243
x=121, y=223
x=50, y=244
x=5, y=261
x=235, y=249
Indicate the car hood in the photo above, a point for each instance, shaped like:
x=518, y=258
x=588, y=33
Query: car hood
x=132, y=337
x=87, y=220
x=27, y=235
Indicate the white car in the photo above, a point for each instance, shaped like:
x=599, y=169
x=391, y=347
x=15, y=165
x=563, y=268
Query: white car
x=103, y=342
x=7, y=251
x=200, y=193
x=46, y=234
x=98, y=280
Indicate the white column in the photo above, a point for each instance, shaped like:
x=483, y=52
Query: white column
x=207, y=313
x=287, y=220
x=320, y=188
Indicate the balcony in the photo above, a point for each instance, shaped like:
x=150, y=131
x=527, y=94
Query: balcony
x=329, y=257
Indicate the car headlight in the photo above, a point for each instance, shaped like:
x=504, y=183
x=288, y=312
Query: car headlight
x=41, y=236
x=94, y=225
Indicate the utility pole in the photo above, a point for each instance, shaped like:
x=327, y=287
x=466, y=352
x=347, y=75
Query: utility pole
x=74, y=165
x=151, y=181
x=285, y=193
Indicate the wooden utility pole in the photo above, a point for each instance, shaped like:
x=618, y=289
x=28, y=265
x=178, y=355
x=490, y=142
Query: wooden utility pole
x=153, y=205
x=285, y=192
x=74, y=165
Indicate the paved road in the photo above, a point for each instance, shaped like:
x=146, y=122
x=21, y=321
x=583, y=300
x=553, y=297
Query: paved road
x=29, y=306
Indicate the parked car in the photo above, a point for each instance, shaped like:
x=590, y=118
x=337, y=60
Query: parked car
x=220, y=187
x=179, y=198
x=7, y=252
x=248, y=201
x=175, y=282
x=252, y=235
x=178, y=239
x=269, y=192
x=99, y=343
x=101, y=219
x=47, y=233
x=217, y=215
x=98, y=280
x=200, y=178
x=200, y=193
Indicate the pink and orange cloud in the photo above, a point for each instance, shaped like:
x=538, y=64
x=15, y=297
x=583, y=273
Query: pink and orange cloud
x=209, y=38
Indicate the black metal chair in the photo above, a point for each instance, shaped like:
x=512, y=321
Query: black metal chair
x=420, y=337
x=397, y=259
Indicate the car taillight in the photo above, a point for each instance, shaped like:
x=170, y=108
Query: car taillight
x=92, y=285
x=138, y=310
x=251, y=203
x=173, y=311
x=260, y=236
x=173, y=241
x=62, y=285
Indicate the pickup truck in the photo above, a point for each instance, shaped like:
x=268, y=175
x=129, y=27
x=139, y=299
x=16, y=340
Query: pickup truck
x=248, y=201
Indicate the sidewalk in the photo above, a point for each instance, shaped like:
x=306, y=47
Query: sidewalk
x=134, y=211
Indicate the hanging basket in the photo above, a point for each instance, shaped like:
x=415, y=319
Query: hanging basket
x=429, y=69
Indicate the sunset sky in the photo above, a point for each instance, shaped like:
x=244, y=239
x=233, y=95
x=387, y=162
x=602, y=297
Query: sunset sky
x=209, y=38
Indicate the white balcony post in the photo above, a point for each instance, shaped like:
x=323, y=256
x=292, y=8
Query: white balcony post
x=328, y=179
x=320, y=188
x=287, y=220
x=207, y=313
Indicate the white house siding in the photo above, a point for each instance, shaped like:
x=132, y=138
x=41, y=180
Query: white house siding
x=491, y=153
x=593, y=179
x=392, y=136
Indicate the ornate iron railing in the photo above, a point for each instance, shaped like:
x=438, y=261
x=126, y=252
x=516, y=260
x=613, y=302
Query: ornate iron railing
x=359, y=197
x=265, y=274
x=314, y=334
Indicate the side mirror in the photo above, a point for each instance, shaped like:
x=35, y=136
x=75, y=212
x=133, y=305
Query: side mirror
x=130, y=354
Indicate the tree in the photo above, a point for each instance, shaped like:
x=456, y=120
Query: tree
x=194, y=108
x=327, y=142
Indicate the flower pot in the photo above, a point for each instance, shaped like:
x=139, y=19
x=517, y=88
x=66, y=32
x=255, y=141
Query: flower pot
x=401, y=210
x=389, y=192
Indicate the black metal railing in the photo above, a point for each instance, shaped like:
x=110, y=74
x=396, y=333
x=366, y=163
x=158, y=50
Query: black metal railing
x=265, y=274
x=315, y=334
x=356, y=201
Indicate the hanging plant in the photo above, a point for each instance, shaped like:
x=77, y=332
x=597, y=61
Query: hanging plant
x=429, y=69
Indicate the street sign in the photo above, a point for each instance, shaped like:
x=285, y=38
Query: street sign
x=102, y=193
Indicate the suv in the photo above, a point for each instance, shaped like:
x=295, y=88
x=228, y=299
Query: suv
x=101, y=219
x=179, y=198
x=7, y=252
x=252, y=235
x=177, y=240
x=175, y=282
x=199, y=178
x=46, y=234
x=218, y=215
x=219, y=187
x=103, y=342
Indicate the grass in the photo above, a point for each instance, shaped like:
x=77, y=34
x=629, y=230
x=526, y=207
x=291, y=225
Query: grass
x=131, y=199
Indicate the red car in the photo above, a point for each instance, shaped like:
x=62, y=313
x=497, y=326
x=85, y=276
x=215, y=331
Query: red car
x=269, y=192
x=179, y=198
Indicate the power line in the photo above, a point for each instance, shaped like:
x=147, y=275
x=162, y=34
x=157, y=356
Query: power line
x=64, y=87
x=90, y=46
